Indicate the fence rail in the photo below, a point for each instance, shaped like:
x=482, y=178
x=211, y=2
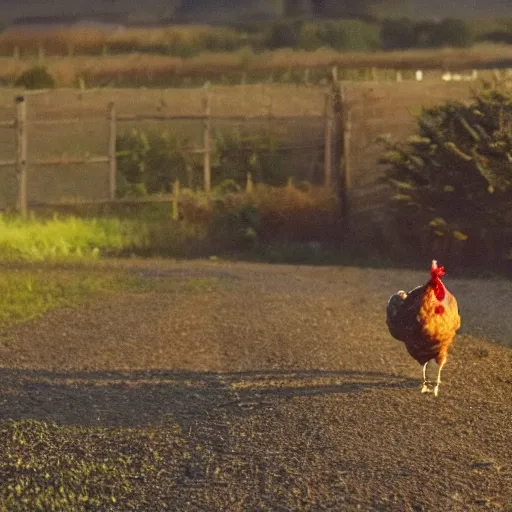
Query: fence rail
x=329, y=143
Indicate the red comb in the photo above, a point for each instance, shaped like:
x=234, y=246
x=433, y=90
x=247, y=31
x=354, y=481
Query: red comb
x=435, y=271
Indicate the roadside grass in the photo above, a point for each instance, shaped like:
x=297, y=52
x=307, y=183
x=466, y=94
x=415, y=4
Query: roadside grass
x=50, y=263
x=28, y=294
x=98, y=468
x=66, y=239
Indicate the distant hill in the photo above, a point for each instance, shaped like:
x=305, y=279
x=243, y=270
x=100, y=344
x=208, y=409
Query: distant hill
x=151, y=11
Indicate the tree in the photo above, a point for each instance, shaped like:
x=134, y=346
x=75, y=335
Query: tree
x=349, y=8
x=452, y=32
x=398, y=34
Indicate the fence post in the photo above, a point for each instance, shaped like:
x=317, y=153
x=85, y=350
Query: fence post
x=343, y=133
x=175, y=200
x=249, y=185
x=21, y=154
x=328, y=140
x=270, y=113
x=112, y=157
x=207, y=127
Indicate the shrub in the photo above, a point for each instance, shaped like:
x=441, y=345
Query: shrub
x=454, y=178
x=339, y=34
x=404, y=33
x=35, y=78
x=239, y=152
x=498, y=36
x=149, y=162
x=282, y=35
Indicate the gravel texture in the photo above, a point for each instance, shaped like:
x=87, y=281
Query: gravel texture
x=285, y=384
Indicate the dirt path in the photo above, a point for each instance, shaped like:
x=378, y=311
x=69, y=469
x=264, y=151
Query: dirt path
x=286, y=385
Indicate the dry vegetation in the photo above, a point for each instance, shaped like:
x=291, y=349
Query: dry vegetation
x=90, y=40
x=141, y=68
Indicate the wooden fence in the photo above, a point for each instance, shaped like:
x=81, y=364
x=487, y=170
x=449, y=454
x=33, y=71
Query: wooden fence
x=335, y=145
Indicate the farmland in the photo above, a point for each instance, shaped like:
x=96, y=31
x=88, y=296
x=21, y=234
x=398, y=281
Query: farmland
x=220, y=384
x=244, y=66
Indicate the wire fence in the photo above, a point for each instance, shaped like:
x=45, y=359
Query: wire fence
x=71, y=153
x=61, y=159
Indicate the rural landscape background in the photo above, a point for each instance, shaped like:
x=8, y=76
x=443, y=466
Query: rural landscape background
x=205, y=207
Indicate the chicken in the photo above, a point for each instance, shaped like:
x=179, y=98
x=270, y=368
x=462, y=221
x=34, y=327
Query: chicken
x=426, y=320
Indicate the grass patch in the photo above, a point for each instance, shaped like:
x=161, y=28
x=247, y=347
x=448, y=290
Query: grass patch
x=28, y=294
x=68, y=238
x=169, y=284
x=99, y=469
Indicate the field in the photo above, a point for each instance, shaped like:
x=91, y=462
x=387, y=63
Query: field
x=233, y=386
x=245, y=66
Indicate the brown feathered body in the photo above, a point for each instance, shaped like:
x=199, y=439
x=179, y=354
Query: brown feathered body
x=425, y=319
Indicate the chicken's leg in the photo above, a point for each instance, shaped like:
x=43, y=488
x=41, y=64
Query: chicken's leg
x=436, y=388
x=425, y=388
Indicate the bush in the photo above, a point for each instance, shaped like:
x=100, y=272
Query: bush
x=282, y=35
x=404, y=33
x=453, y=180
x=340, y=35
x=149, y=162
x=239, y=152
x=498, y=36
x=35, y=78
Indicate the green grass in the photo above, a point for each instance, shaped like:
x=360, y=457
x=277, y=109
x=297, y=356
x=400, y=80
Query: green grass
x=68, y=238
x=100, y=466
x=27, y=294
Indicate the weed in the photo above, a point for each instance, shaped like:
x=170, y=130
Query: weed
x=65, y=239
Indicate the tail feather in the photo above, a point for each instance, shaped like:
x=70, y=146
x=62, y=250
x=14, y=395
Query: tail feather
x=395, y=302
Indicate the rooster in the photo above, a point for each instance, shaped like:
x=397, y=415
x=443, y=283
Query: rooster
x=426, y=320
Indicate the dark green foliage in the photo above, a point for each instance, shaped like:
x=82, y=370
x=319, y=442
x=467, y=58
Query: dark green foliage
x=149, y=162
x=340, y=34
x=282, y=35
x=35, y=78
x=239, y=152
x=455, y=176
x=400, y=34
x=454, y=33
x=498, y=36
x=236, y=228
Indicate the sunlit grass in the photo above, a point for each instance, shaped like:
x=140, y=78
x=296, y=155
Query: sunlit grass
x=67, y=467
x=28, y=294
x=66, y=238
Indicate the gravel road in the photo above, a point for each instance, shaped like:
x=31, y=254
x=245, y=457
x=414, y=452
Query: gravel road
x=287, y=379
